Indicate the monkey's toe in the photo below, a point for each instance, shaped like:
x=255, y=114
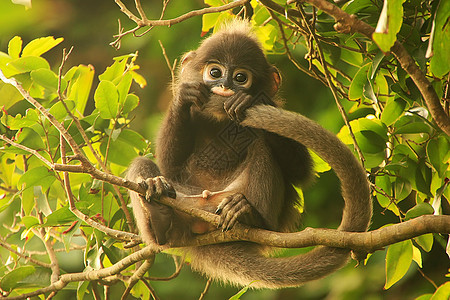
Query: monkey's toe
x=231, y=208
x=157, y=187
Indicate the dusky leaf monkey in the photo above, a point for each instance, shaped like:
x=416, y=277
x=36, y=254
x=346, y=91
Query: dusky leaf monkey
x=224, y=133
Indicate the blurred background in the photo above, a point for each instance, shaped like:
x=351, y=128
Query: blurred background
x=89, y=26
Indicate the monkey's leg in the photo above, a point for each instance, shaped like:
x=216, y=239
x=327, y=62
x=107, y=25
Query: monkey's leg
x=153, y=219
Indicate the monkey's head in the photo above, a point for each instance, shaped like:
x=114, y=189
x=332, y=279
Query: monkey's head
x=228, y=62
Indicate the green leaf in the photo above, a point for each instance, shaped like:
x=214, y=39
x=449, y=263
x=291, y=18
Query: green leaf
x=209, y=21
x=39, y=46
x=48, y=79
x=12, y=280
x=389, y=24
x=114, y=71
x=81, y=79
x=10, y=95
x=15, y=47
x=39, y=176
x=59, y=111
x=18, y=122
x=60, y=217
x=425, y=241
x=28, y=64
x=107, y=99
x=443, y=292
x=28, y=137
x=30, y=221
x=124, y=87
x=359, y=81
x=438, y=152
x=398, y=259
x=130, y=103
x=320, y=166
x=440, y=41
x=393, y=110
x=419, y=210
x=402, y=188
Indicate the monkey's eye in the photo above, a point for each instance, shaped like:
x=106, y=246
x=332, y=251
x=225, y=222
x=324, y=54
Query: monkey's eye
x=215, y=73
x=243, y=78
x=240, y=77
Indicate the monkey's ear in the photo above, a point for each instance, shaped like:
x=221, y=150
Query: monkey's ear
x=186, y=58
x=276, y=81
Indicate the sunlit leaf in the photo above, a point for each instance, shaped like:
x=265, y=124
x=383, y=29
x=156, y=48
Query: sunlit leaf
x=26, y=3
x=114, y=71
x=48, y=79
x=39, y=46
x=15, y=47
x=443, y=292
x=417, y=256
x=130, y=103
x=107, y=99
x=398, y=259
x=29, y=63
x=425, y=241
x=209, y=21
x=18, y=122
x=81, y=79
x=389, y=24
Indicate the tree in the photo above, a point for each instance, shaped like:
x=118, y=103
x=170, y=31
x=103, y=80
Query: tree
x=61, y=162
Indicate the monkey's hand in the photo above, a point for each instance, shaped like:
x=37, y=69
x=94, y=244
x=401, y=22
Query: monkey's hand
x=236, y=105
x=231, y=208
x=192, y=93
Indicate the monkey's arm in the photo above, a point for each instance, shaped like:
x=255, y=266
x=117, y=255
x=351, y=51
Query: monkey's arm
x=176, y=137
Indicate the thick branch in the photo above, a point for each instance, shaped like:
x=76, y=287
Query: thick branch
x=362, y=241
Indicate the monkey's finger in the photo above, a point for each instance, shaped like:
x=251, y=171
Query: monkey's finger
x=240, y=107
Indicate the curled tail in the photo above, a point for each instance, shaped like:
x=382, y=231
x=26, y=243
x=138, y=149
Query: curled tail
x=242, y=263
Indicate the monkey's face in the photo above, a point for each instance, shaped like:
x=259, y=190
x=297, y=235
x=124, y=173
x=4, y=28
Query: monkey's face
x=225, y=80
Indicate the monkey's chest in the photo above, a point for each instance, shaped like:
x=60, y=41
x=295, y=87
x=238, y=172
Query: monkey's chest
x=220, y=154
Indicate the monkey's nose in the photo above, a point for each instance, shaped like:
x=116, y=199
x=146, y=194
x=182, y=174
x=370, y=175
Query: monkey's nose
x=222, y=91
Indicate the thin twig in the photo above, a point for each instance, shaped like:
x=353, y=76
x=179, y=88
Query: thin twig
x=205, y=290
x=331, y=85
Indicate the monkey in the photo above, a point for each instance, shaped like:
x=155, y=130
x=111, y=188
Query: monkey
x=226, y=137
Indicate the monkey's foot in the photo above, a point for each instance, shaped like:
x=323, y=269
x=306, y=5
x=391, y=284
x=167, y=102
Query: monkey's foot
x=231, y=208
x=156, y=187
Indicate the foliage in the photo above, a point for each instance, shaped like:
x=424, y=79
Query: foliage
x=406, y=155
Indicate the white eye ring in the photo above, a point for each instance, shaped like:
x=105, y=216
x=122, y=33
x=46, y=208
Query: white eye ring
x=247, y=83
x=213, y=71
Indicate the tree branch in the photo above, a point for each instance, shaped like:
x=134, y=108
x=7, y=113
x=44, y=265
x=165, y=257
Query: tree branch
x=144, y=22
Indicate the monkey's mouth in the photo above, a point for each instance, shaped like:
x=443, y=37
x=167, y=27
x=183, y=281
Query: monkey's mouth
x=222, y=91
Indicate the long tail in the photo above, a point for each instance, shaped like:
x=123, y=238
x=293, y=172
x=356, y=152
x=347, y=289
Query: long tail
x=242, y=263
